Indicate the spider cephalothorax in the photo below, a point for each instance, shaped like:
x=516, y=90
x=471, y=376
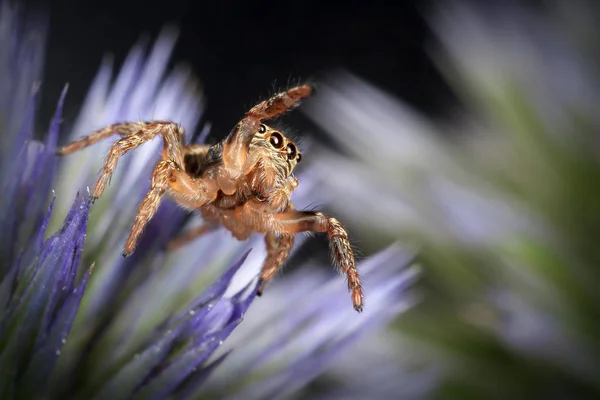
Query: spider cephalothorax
x=243, y=183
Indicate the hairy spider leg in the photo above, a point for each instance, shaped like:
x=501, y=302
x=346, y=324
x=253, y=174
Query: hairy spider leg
x=135, y=134
x=148, y=207
x=121, y=128
x=293, y=221
x=236, y=145
x=187, y=191
x=167, y=175
x=279, y=247
x=342, y=253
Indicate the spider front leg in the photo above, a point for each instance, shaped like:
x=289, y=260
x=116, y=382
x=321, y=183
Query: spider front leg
x=278, y=250
x=236, y=144
x=342, y=254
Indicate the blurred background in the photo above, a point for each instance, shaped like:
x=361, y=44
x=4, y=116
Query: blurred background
x=243, y=51
x=466, y=131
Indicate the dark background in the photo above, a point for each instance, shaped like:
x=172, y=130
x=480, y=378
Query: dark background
x=241, y=50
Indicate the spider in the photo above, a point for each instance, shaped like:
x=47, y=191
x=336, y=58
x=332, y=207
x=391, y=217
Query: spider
x=243, y=183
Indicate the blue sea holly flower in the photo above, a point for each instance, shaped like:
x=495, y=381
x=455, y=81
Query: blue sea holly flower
x=80, y=321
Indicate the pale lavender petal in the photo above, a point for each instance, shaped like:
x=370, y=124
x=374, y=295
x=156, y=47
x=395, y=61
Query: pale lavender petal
x=193, y=387
x=322, y=324
x=227, y=311
x=173, y=375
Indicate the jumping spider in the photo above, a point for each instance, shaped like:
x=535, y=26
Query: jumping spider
x=244, y=183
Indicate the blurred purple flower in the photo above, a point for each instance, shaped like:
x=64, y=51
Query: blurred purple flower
x=501, y=199
x=138, y=327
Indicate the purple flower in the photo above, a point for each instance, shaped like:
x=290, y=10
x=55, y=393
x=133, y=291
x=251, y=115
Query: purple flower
x=80, y=321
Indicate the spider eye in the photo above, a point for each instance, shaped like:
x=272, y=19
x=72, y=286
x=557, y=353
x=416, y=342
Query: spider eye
x=262, y=129
x=291, y=151
x=299, y=158
x=276, y=140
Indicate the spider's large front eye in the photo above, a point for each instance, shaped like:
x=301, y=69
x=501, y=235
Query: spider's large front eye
x=262, y=129
x=276, y=140
x=291, y=151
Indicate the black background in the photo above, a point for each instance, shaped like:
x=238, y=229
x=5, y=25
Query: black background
x=242, y=50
